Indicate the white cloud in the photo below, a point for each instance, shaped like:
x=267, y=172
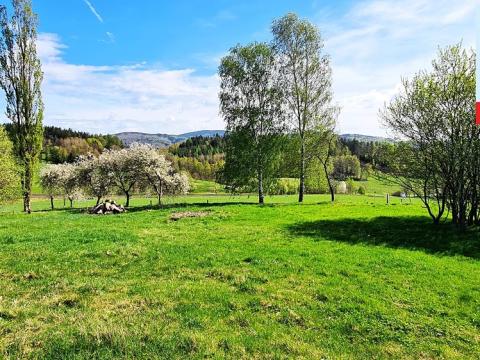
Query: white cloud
x=372, y=46
x=377, y=42
x=93, y=10
x=124, y=98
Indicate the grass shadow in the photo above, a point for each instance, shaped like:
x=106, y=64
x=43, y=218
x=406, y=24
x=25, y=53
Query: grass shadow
x=415, y=233
x=147, y=207
x=184, y=205
x=74, y=210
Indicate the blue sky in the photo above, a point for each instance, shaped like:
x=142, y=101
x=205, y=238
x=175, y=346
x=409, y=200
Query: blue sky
x=150, y=66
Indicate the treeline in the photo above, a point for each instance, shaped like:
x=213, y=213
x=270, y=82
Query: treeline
x=202, y=157
x=66, y=145
x=199, y=146
x=368, y=152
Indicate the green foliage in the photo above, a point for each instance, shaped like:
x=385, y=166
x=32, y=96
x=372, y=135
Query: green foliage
x=203, y=167
x=9, y=179
x=284, y=186
x=439, y=159
x=362, y=190
x=306, y=80
x=289, y=161
x=346, y=166
x=355, y=279
x=367, y=151
x=198, y=146
x=351, y=188
x=251, y=104
x=67, y=145
x=21, y=78
x=316, y=181
x=366, y=171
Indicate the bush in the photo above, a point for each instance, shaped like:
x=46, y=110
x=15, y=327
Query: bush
x=316, y=182
x=362, y=190
x=350, y=186
x=346, y=166
x=284, y=186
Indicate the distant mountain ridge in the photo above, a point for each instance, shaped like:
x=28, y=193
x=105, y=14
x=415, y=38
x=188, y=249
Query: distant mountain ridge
x=165, y=140
x=365, y=138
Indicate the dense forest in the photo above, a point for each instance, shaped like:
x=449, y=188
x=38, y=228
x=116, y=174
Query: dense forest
x=199, y=145
x=66, y=145
x=202, y=157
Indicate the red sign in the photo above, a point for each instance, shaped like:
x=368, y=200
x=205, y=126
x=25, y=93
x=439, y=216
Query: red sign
x=478, y=113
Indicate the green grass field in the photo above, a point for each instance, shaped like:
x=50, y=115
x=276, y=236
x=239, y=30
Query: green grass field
x=206, y=187
x=357, y=279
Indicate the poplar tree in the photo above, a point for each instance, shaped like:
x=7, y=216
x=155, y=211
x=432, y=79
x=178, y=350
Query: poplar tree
x=21, y=78
x=9, y=181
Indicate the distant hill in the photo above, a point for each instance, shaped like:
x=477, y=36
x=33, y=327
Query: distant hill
x=163, y=140
x=204, y=133
x=365, y=138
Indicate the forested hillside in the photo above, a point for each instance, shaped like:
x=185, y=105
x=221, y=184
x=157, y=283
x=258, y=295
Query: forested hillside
x=66, y=145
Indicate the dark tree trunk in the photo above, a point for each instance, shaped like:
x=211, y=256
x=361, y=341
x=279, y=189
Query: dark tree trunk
x=127, y=194
x=51, y=202
x=302, y=172
x=329, y=181
x=260, y=187
x=71, y=202
x=27, y=203
x=27, y=188
x=332, y=190
x=98, y=200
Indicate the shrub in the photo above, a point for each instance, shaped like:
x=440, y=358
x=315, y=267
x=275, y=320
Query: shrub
x=362, y=190
x=350, y=186
x=346, y=166
x=316, y=182
x=284, y=186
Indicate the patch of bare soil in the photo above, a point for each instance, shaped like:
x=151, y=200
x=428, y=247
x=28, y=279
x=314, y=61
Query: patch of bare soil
x=188, y=214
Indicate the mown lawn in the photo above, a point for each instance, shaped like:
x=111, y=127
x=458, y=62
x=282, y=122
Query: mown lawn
x=356, y=279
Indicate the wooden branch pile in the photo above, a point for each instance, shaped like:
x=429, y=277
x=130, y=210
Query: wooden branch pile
x=107, y=207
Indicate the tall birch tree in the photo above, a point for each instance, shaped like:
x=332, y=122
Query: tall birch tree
x=251, y=104
x=306, y=79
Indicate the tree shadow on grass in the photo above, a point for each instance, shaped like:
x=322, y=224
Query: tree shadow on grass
x=148, y=207
x=415, y=233
x=186, y=205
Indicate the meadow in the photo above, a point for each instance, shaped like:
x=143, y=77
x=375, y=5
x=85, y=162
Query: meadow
x=354, y=279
